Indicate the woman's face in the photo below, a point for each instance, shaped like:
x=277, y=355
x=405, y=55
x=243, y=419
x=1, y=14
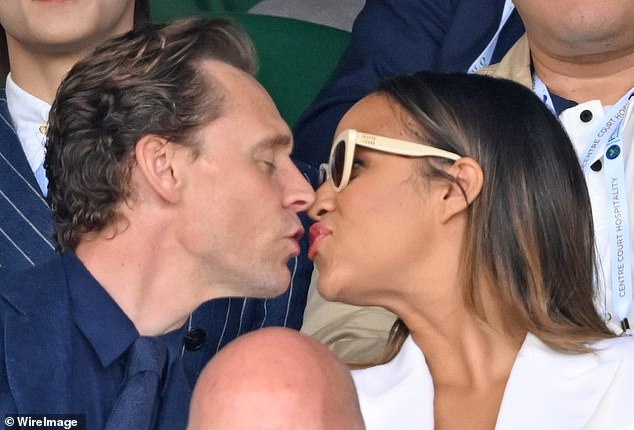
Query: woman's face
x=373, y=237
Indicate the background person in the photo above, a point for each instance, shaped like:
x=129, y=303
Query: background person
x=43, y=41
x=392, y=37
x=275, y=378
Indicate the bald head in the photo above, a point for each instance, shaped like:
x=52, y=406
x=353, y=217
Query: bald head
x=275, y=378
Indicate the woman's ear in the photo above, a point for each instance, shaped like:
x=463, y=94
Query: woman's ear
x=469, y=179
x=157, y=162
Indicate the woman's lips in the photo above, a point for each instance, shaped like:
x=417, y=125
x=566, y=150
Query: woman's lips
x=317, y=233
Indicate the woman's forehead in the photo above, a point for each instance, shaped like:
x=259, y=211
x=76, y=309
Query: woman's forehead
x=370, y=114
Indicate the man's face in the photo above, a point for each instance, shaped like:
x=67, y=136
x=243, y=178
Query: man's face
x=243, y=193
x=579, y=27
x=49, y=27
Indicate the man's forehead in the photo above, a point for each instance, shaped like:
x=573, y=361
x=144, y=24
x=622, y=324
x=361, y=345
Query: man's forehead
x=228, y=75
x=238, y=87
x=248, y=103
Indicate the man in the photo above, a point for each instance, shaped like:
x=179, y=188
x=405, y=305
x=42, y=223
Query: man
x=45, y=39
x=579, y=58
x=171, y=184
x=295, y=383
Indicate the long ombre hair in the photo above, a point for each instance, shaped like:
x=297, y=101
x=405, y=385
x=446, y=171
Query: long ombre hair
x=529, y=237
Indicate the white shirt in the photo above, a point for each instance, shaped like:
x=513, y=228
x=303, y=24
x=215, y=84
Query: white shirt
x=30, y=116
x=516, y=65
x=579, y=132
x=546, y=389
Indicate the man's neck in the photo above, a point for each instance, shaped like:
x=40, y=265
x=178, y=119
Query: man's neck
x=148, y=278
x=606, y=77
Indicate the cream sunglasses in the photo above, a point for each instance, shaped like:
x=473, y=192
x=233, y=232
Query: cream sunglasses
x=339, y=166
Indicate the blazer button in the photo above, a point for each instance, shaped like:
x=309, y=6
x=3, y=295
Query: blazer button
x=596, y=166
x=585, y=116
x=195, y=339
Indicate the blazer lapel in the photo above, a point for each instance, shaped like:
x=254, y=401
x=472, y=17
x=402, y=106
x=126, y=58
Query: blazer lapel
x=37, y=341
x=549, y=389
x=398, y=394
x=25, y=218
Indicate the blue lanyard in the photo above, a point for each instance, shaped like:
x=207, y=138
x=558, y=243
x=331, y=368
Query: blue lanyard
x=606, y=139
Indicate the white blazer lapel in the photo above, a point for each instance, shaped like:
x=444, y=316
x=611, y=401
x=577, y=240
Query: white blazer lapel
x=552, y=390
x=399, y=394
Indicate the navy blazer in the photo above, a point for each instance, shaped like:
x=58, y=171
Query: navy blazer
x=40, y=345
x=35, y=344
x=26, y=240
x=395, y=37
x=26, y=225
x=35, y=329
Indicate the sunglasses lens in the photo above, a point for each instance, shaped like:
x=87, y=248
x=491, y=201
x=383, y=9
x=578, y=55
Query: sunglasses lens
x=337, y=162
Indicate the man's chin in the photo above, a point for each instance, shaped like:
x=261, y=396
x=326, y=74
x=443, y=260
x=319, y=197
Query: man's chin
x=283, y=286
x=278, y=283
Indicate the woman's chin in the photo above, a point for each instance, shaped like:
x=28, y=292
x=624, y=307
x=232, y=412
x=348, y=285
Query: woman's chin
x=327, y=290
x=335, y=290
x=336, y=281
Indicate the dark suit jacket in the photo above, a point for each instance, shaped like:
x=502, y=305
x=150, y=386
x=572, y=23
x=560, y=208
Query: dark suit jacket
x=35, y=344
x=394, y=37
x=26, y=228
x=44, y=366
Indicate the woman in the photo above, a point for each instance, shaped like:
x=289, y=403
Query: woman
x=457, y=202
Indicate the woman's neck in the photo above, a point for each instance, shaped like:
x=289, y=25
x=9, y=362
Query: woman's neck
x=461, y=350
x=470, y=363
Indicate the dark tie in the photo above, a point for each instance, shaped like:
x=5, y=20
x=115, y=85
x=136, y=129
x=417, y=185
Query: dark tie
x=134, y=408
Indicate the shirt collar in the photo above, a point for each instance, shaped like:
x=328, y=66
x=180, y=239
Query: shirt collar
x=96, y=314
x=102, y=321
x=23, y=105
x=29, y=114
x=561, y=104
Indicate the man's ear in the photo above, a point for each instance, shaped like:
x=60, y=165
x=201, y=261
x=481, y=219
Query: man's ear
x=156, y=157
x=467, y=186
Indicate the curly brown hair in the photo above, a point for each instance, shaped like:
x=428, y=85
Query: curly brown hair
x=147, y=81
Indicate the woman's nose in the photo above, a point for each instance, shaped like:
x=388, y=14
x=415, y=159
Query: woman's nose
x=324, y=201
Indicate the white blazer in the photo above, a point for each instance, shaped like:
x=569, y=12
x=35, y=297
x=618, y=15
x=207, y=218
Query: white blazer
x=546, y=389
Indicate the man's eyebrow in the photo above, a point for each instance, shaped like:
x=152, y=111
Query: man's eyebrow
x=275, y=141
